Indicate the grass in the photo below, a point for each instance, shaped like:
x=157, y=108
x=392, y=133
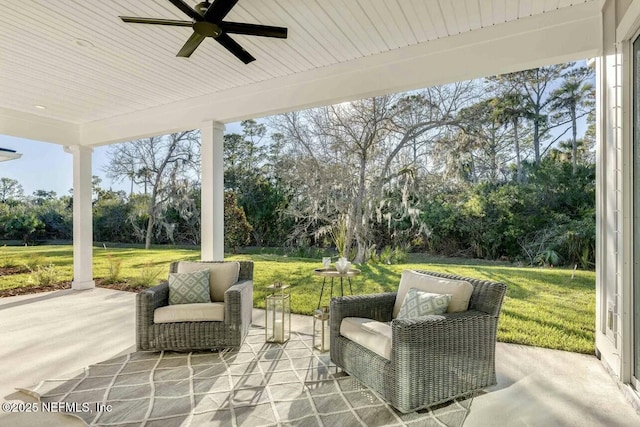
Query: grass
x=543, y=307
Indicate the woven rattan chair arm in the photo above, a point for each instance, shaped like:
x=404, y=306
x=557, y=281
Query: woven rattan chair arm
x=450, y=332
x=374, y=306
x=146, y=302
x=238, y=300
x=152, y=298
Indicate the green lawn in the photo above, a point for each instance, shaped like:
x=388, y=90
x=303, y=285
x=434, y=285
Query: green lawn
x=543, y=307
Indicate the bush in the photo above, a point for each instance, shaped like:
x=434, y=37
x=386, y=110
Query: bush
x=113, y=276
x=237, y=230
x=44, y=275
x=386, y=255
x=148, y=276
x=34, y=261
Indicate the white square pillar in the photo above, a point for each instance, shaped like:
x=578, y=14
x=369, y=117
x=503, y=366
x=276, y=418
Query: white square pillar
x=82, y=218
x=212, y=196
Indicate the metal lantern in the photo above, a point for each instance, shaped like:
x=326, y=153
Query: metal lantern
x=278, y=314
x=321, y=329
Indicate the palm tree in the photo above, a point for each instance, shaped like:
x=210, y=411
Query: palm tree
x=509, y=109
x=534, y=86
x=574, y=96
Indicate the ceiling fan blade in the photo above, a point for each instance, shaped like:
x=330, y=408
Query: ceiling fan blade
x=234, y=48
x=171, y=22
x=186, y=9
x=191, y=45
x=219, y=9
x=254, y=29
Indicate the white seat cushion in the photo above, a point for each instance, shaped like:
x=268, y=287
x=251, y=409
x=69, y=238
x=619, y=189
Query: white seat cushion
x=221, y=275
x=373, y=335
x=200, y=312
x=459, y=290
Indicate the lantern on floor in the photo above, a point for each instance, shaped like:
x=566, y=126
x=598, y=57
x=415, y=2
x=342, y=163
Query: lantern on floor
x=278, y=314
x=321, y=329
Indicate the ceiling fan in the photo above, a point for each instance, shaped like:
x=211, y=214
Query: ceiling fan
x=207, y=21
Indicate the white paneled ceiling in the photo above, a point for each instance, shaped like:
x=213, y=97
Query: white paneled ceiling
x=81, y=62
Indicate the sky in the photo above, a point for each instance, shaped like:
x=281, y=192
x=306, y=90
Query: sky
x=46, y=166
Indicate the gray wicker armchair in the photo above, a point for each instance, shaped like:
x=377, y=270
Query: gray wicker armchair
x=433, y=358
x=202, y=335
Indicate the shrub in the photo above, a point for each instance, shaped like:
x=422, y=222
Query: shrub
x=148, y=276
x=548, y=257
x=44, y=275
x=338, y=232
x=400, y=254
x=386, y=255
x=34, y=261
x=5, y=260
x=237, y=230
x=113, y=276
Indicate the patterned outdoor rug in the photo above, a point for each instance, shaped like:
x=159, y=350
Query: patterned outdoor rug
x=259, y=385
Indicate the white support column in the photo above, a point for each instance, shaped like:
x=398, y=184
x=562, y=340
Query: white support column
x=82, y=218
x=212, y=196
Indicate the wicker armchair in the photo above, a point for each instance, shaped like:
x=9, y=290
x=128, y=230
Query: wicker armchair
x=433, y=358
x=205, y=335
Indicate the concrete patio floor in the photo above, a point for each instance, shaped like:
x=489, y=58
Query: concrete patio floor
x=50, y=335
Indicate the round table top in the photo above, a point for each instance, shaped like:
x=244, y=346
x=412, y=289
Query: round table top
x=332, y=272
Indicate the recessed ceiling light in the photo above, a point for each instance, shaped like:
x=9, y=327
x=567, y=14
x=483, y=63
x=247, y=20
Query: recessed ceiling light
x=40, y=107
x=84, y=43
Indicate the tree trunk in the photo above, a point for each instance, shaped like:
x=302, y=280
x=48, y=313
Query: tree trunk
x=147, y=237
x=359, y=229
x=536, y=139
x=517, y=144
x=493, y=157
x=152, y=216
x=574, y=141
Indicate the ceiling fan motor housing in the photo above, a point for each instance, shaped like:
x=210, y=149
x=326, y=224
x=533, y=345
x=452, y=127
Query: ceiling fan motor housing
x=207, y=29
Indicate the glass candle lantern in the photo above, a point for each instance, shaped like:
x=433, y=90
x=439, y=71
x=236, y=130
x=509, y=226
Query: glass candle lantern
x=278, y=314
x=321, y=335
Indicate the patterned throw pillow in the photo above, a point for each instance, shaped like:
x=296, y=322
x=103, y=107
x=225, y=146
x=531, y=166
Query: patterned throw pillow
x=222, y=275
x=418, y=303
x=189, y=288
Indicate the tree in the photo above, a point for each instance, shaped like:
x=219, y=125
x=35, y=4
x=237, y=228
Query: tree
x=510, y=109
x=535, y=86
x=251, y=173
x=237, y=230
x=10, y=189
x=348, y=158
x=574, y=98
x=23, y=225
x=483, y=123
x=244, y=156
x=161, y=163
x=41, y=197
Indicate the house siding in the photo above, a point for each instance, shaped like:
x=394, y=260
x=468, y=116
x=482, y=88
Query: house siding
x=614, y=191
